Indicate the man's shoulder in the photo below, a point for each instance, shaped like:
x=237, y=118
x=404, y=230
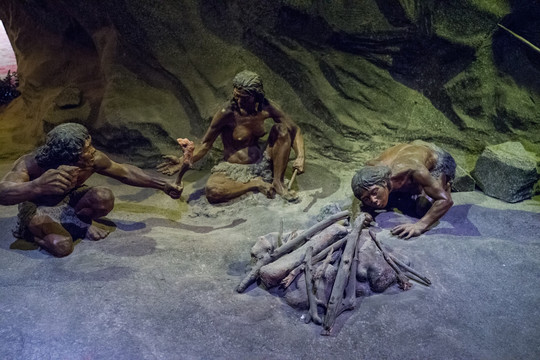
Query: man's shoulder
x=26, y=162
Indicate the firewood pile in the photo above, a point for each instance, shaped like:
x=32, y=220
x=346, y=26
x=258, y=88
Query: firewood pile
x=325, y=268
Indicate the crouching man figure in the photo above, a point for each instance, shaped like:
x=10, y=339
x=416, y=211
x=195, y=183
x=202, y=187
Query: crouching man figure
x=55, y=206
x=419, y=169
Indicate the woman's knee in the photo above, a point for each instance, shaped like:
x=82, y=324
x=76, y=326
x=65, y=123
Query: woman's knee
x=214, y=193
x=279, y=132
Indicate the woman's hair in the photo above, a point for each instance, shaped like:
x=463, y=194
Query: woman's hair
x=250, y=83
x=369, y=176
x=64, y=146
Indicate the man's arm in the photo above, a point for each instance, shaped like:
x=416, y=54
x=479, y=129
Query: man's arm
x=132, y=175
x=298, y=147
x=442, y=202
x=16, y=186
x=296, y=134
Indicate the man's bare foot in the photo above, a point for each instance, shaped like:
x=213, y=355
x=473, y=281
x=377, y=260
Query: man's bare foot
x=288, y=195
x=96, y=233
x=267, y=189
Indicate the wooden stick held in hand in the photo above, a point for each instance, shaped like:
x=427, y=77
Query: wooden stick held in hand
x=295, y=172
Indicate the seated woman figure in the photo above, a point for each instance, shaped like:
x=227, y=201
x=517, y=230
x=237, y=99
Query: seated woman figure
x=249, y=165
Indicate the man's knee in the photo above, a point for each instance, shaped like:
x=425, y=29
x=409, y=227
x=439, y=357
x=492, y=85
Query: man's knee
x=103, y=195
x=58, y=245
x=96, y=203
x=51, y=235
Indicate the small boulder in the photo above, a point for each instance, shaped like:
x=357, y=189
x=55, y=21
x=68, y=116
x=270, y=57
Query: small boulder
x=463, y=181
x=506, y=171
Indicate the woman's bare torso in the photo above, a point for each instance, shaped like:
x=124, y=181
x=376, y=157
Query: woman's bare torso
x=241, y=137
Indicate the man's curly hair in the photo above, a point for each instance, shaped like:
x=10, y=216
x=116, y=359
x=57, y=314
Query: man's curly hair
x=64, y=146
x=369, y=176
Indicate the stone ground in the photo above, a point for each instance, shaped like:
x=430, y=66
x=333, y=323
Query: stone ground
x=161, y=286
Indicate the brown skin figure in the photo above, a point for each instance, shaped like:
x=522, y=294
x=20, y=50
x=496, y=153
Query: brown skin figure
x=241, y=125
x=418, y=168
x=55, y=171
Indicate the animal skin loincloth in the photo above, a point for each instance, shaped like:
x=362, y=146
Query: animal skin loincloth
x=61, y=211
x=245, y=172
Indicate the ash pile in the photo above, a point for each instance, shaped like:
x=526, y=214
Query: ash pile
x=325, y=268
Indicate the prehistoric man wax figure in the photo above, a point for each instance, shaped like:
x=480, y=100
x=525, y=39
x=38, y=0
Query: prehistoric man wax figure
x=418, y=168
x=55, y=206
x=248, y=165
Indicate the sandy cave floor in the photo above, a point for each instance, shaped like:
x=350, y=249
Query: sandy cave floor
x=161, y=286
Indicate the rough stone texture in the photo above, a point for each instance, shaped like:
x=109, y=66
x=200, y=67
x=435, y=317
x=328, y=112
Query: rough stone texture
x=357, y=76
x=506, y=171
x=68, y=98
x=162, y=285
x=463, y=181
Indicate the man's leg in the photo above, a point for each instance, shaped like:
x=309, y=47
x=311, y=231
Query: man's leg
x=95, y=203
x=220, y=188
x=279, y=149
x=51, y=236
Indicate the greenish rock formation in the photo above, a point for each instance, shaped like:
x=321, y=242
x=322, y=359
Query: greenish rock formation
x=506, y=171
x=463, y=181
x=356, y=76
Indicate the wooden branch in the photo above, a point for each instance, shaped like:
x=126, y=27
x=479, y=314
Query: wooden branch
x=253, y=274
x=292, y=179
x=343, y=275
x=321, y=270
x=349, y=301
x=272, y=274
x=403, y=281
x=423, y=280
x=306, y=235
x=313, y=314
x=287, y=281
x=287, y=247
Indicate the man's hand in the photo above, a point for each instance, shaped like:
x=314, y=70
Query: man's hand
x=174, y=191
x=73, y=171
x=367, y=220
x=57, y=181
x=408, y=230
x=298, y=164
x=170, y=166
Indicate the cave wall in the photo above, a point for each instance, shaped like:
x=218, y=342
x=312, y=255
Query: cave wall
x=357, y=76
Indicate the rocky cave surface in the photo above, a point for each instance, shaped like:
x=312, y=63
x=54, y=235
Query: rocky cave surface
x=356, y=76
